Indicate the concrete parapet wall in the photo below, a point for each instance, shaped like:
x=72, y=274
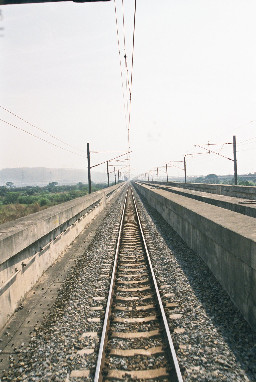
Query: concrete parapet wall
x=245, y=207
x=19, y=234
x=245, y=192
x=224, y=239
x=29, y=245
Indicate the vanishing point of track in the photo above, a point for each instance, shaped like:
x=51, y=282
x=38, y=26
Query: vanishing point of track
x=136, y=343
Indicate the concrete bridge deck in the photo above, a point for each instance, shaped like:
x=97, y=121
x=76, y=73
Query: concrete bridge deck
x=237, y=204
x=224, y=239
x=29, y=245
x=32, y=311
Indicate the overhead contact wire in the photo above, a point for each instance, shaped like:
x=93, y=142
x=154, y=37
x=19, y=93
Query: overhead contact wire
x=133, y=40
x=41, y=139
x=129, y=74
x=131, y=80
x=126, y=66
x=38, y=128
x=120, y=60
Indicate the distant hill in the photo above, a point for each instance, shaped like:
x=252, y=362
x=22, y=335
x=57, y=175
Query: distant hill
x=41, y=176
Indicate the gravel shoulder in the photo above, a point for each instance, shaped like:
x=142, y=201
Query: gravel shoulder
x=212, y=340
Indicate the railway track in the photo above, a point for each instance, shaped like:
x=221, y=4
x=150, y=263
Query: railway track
x=136, y=343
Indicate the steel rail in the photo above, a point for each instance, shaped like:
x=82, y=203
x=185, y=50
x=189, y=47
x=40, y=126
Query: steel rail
x=175, y=373
x=100, y=361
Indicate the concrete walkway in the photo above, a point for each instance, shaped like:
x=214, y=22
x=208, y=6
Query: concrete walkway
x=242, y=206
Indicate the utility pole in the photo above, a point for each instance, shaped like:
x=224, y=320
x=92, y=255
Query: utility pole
x=235, y=161
x=166, y=169
x=185, y=169
x=115, y=174
x=89, y=169
x=107, y=173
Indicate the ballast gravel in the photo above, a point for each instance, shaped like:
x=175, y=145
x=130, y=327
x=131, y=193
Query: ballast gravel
x=212, y=340
x=68, y=339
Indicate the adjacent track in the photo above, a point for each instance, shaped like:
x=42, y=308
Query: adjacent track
x=136, y=343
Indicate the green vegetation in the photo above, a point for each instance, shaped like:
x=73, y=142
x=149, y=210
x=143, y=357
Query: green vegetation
x=243, y=182
x=211, y=179
x=214, y=179
x=16, y=202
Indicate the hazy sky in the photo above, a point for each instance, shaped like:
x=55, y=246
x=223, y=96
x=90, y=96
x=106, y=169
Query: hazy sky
x=194, y=81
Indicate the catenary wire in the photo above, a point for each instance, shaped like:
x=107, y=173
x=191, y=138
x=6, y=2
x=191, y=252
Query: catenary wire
x=250, y=140
x=109, y=160
x=106, y=152
x=131, y=78
x=120, y=60
x=125, y=60
x=133, y=43
x=42, y=139
x=38, y=128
